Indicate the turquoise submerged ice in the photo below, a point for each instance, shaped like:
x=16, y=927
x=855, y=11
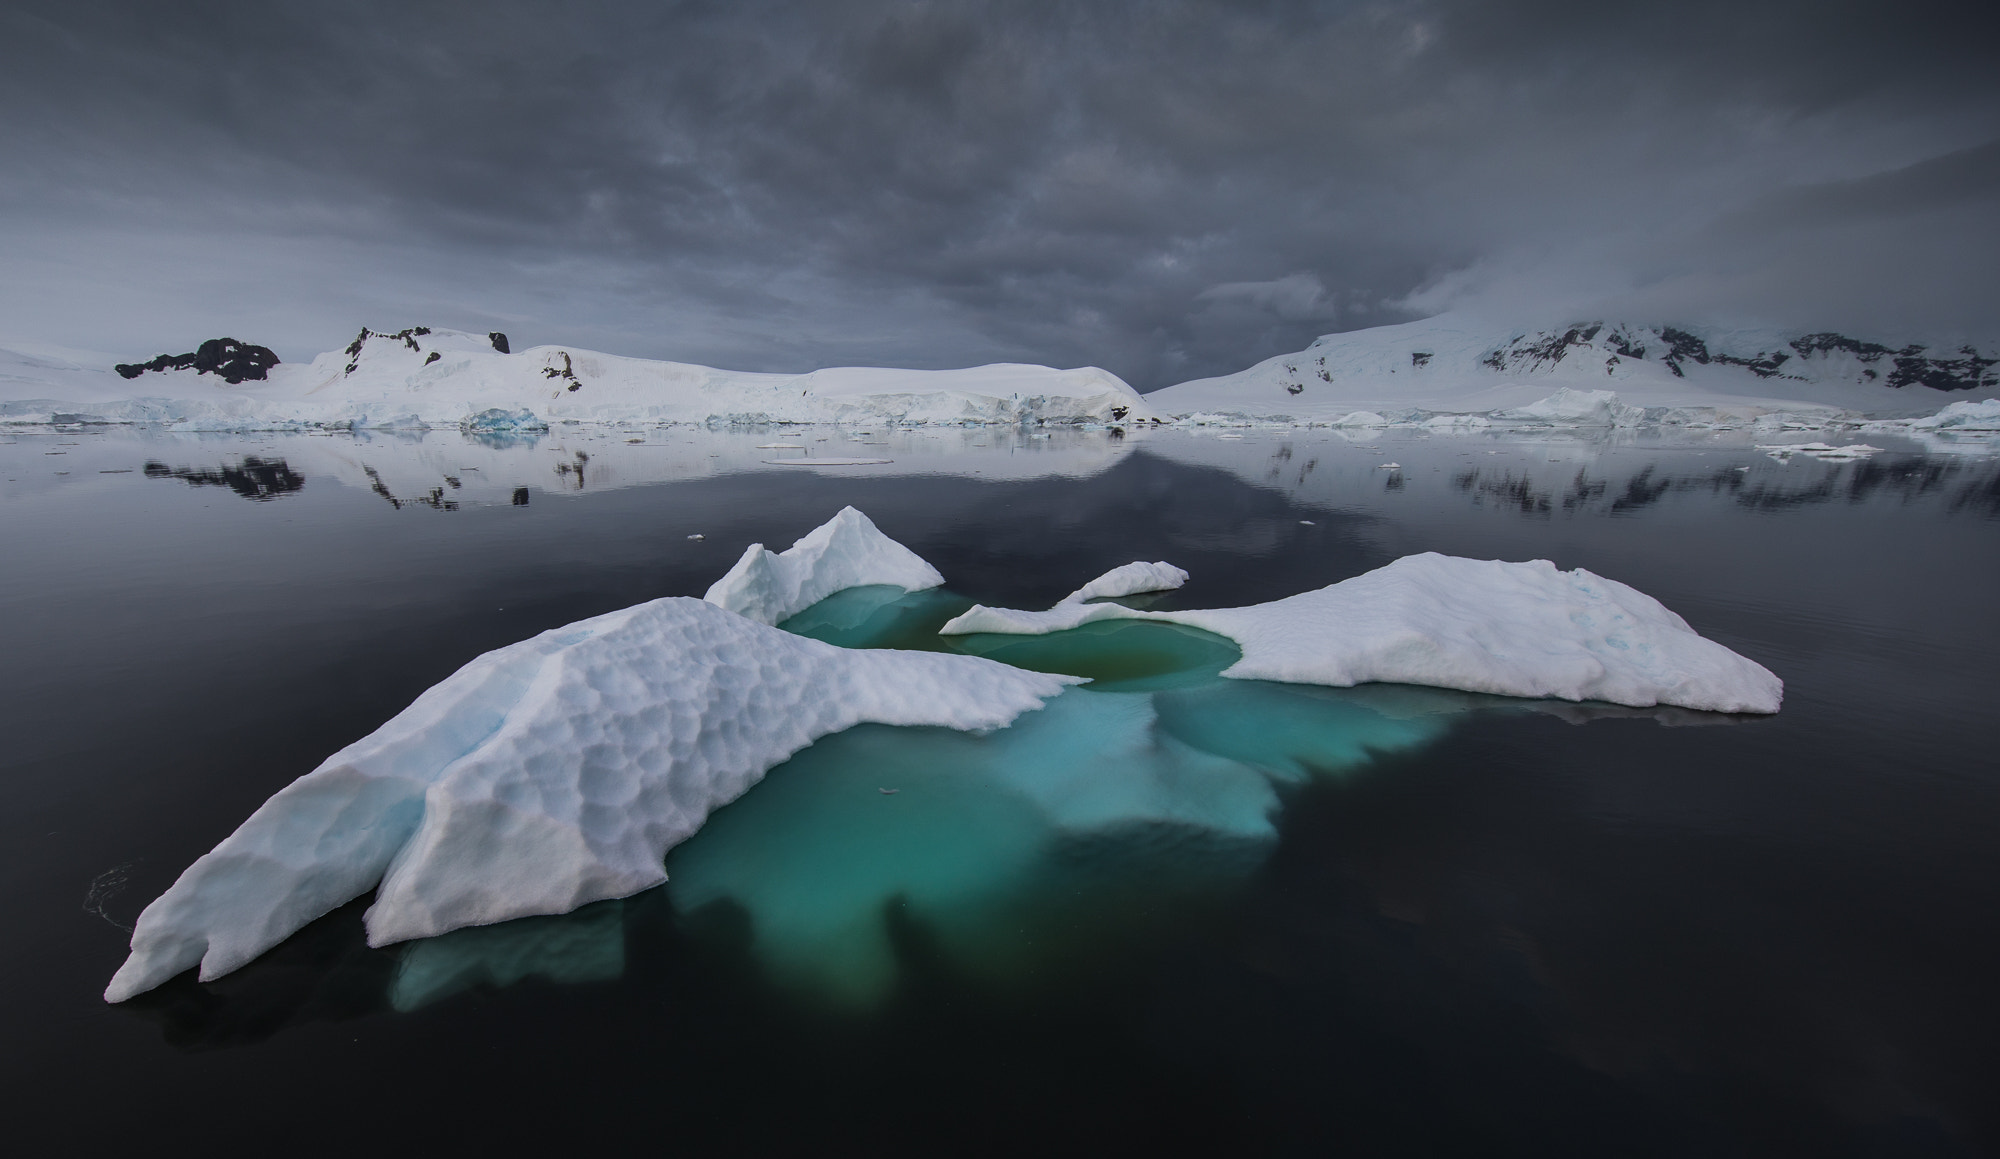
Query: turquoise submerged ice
x=561, y=770
x=1075, y=810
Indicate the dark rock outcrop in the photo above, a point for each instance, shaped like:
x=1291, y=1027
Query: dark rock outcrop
x=234, y=361
x=499, y=341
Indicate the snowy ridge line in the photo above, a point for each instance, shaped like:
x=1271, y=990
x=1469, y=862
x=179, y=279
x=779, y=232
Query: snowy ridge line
x=847, y=551
x=1454, y=366
x=425, y=378
x=1513, y=629
x=546, y=775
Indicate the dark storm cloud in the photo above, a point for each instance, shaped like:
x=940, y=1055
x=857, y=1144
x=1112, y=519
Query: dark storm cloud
x=1165, y=189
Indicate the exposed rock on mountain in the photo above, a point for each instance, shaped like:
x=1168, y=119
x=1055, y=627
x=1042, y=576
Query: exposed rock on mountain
x=233, y=361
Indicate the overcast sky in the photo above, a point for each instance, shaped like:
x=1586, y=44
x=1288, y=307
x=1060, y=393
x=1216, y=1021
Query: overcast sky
x=1163, y=189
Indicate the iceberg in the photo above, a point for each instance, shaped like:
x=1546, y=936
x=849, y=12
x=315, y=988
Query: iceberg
x=847, y=551
x=1513, y=629
x=560, y=770
x=545, y=775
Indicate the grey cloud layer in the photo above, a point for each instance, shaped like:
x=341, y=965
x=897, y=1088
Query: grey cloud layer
x=1165, y=189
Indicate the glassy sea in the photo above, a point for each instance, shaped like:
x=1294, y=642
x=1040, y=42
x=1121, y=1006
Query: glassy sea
x=1167, y=914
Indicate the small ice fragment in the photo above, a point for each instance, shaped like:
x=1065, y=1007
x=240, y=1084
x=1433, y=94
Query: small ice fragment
x=1390, y=466
x=697, y=535
x=1308, y=523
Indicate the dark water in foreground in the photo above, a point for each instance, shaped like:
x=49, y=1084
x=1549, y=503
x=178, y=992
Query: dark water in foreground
x=1447, y=928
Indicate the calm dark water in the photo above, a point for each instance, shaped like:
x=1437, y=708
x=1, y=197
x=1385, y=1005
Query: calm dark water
x=1520, y=933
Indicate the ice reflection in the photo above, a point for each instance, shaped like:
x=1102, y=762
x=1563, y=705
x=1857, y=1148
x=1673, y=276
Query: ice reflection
x=585, y=946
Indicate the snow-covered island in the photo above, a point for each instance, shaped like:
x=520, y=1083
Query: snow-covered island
x=1459, y=373
x=422, y=377
x=1450, y=373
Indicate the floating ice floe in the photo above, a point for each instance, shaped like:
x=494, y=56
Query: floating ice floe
x=1825, y=452
x=1515, y=629
x=548, y=774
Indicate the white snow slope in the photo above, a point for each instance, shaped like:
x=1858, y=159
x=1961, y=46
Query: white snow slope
x=847, y=551
x=547, y=774
x=1514, y=629
x=1455, y=371
x=449, y=378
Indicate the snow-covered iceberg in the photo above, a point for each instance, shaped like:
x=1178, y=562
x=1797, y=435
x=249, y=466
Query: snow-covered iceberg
x=547, y=774
x=1514, y=629
x=847, y=551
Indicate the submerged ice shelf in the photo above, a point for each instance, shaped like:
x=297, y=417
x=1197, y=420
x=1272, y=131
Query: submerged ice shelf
x=561, y=770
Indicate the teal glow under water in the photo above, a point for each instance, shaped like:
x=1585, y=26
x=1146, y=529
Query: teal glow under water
x=1111, y=811
x=1158, y=780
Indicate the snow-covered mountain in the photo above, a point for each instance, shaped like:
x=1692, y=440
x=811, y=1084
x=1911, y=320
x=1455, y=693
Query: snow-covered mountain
x=1614, y=372
x=422, y=377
